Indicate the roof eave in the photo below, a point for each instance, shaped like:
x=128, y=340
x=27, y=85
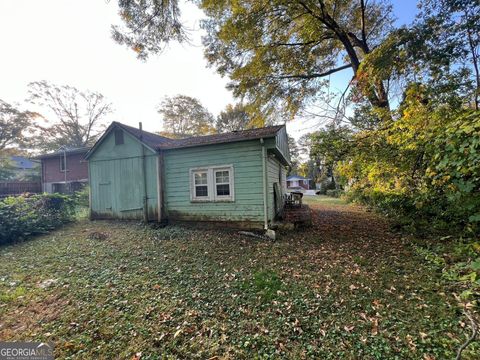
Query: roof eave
x=222, y=142
x=99, y=141
x=107, y=131
x=58, y=153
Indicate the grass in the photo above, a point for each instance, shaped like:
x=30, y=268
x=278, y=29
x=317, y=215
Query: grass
x=346, y=288
x=323, y=199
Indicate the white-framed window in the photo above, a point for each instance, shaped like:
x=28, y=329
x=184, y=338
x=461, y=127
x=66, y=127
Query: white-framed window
x=212, y=183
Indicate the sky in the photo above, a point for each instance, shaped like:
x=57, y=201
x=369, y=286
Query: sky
x=68, y=42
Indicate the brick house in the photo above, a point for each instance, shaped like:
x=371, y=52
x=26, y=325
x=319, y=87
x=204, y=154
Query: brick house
x=61, y=177
x=297, y=182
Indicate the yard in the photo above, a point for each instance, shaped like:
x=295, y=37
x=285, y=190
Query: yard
x=346, y=288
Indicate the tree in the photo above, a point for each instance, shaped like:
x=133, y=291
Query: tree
x=14, y=126
x=329, y=146
x=185, y=116
x=452, y=30
x=7, y=170
x=310, y=170
x=294, y=155
x=440, y=50
x=233, y=118
x=149, y=25
x=278, y=54
x=77, y=115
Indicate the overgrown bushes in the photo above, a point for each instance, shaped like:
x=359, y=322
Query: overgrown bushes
x=336, y=193
x=81, y=197
x=426, y=176
x=24, y=216
x=459, y=262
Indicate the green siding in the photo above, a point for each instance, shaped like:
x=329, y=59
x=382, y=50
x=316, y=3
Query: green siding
x=275, y=174
x=281, y=143
x=246, y=158
x=278, y=145
x=116, y=179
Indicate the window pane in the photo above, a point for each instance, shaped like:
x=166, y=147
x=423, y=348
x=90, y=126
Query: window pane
x=223, y=190
x=222, y=177
x=118, y=137
x=201, y=178
x=201, y=191
x=62, y=163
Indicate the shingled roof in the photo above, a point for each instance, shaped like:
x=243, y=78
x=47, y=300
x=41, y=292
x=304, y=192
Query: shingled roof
x=71, y=151
x=157, y=142
x=150, y=139
x=250, y=134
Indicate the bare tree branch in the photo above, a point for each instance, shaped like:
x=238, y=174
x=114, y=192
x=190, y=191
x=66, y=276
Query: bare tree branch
x=314, y=75
x=77, y=115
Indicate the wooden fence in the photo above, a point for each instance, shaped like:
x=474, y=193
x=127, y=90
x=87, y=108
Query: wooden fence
x=19, y=187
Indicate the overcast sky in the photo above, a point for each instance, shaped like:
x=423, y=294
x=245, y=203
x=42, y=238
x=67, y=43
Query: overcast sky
x=69, y=42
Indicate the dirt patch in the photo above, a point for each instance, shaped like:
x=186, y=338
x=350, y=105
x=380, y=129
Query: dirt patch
x=26, y=319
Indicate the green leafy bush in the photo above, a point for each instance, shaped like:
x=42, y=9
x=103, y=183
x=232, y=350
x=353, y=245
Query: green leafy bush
x=336, y=193
x=81, y=197
x=24, y=216
x=425, y=176
x=459, y=262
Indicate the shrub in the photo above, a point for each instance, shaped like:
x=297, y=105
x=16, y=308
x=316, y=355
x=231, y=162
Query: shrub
x=423, y=171
x=336, y=193
x=24, y=216
x=326, y=184
x=81, y=197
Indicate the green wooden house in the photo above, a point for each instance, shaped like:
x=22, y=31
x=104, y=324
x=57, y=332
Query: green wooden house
x=234, y=177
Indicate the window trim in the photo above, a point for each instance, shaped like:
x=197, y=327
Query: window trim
x=212, y=185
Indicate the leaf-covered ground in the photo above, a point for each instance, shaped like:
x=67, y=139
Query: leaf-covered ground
x=345, y=289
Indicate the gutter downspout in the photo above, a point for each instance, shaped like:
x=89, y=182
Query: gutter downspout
x=144, y=177
x=160, y=196
x=264, y=174
x=65, y=168
x=43, y=176
x=90, y=213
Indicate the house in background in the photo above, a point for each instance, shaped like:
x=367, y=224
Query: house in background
x=64, y=171
x=297, y=182
x=232, y=177
x=19, y=168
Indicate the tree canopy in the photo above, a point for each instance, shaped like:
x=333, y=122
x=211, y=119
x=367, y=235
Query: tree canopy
x=278, y=54
x=76, y=118
x=185, y=116
x=234, y=118
x=148, y=26
x=15, y=126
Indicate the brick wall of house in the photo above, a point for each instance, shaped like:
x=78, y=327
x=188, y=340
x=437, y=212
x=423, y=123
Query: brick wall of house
x=299, y=183
x=304, y=184
x=77, y=169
